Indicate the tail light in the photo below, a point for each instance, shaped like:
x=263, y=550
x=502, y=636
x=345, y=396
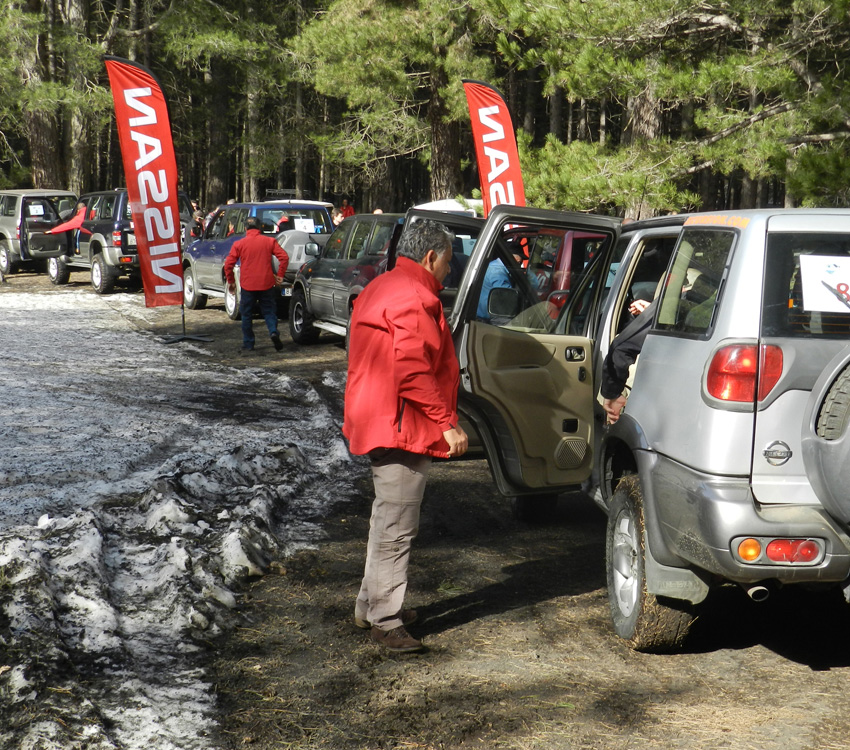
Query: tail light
x=116, y=238
x=740, y=371
x=781, y=551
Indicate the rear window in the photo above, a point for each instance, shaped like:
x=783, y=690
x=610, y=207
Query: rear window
x=807, y=285
x=689, y=298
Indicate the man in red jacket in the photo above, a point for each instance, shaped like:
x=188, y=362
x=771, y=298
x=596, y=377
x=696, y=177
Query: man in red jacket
x=257, y=280
x=401, y=410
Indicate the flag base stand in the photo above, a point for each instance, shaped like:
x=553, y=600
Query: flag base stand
x=173, y=339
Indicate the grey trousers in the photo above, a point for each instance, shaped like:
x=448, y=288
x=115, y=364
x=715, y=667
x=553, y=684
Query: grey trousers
x=399, y=478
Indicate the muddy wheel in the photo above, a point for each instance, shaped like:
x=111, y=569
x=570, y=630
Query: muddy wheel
x=647, y=622
x=231, y=304
x=58, y=271
x=191, y=298
x=835, y=412
x=103, y=276
x=300, y=321
x=534, y=509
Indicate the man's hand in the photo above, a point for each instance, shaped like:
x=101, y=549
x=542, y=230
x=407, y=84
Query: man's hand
x=278, y=282
x=231, y=287
x=638, y=306
x=613, y=407
x=458, y=441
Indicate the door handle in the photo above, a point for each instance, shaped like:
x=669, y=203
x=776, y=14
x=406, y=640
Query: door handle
x=574, y=354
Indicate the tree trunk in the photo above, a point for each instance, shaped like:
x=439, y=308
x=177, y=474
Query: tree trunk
x=79, y=131
x=445, y=143
x=643, y=123
x=217, y=138
x=556, y=113
x=42, y=124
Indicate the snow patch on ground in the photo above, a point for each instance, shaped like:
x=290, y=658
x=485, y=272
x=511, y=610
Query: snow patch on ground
x=138, y=489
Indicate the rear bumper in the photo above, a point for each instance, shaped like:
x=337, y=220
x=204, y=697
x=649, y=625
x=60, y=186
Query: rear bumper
x=695, y=517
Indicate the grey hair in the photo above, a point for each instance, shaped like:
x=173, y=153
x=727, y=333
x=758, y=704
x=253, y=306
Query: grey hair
x=421, y=236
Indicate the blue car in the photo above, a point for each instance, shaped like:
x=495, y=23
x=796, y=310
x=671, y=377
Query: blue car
x=203, y=259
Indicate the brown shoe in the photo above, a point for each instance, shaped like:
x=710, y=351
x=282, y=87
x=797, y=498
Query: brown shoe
x=397, y=640
x=408, y=617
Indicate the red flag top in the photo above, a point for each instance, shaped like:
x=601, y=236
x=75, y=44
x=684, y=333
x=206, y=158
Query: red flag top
x=495, y=146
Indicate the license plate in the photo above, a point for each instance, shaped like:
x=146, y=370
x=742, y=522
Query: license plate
x=131, y=240
x=287, y=292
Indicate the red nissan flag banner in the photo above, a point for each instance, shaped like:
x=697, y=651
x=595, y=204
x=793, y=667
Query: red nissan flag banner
x=144, y=133
x=495, y=146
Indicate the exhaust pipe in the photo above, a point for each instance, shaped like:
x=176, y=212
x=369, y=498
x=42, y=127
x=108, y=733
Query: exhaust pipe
x=758, y=592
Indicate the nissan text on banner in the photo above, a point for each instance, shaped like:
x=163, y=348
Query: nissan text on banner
x=495, y=146
x=147, y=150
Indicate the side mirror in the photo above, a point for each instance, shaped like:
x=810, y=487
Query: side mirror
x=311, y=248
x=503, y=303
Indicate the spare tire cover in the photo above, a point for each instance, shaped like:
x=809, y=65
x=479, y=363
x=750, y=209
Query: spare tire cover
x=825, y=440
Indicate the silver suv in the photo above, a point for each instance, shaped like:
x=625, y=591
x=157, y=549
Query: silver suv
x=729, y=462
x=25, y=217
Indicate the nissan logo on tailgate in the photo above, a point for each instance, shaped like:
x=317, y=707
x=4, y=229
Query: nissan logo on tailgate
x=777, y=453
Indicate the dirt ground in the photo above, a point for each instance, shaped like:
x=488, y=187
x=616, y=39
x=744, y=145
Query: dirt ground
x=521, y=653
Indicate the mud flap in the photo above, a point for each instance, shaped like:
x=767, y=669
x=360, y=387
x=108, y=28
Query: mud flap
x=674, y=583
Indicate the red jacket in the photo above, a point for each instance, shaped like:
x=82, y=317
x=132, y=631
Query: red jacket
x=254, y=251
x=402, y=371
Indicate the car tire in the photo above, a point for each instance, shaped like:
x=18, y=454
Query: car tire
x=58, y=271
x=301, y=327
x=647, y=622
x=191, y=297
x=103, y=276
x=231, y=303
x=6, y=264
x=835, y=411
x=534, y=509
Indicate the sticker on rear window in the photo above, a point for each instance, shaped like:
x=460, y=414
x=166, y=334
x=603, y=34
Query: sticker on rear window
x=826, y=283
x=35, y=209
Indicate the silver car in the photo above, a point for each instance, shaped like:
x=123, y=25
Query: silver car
x=729, y=461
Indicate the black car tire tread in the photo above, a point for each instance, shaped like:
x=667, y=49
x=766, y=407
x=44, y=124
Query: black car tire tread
x=835, y=409
x=6, y=265
x=231, y=304
x=655, y=624
x=58, y=271
x=191, y=298
x=301, y=327
x=107, y=275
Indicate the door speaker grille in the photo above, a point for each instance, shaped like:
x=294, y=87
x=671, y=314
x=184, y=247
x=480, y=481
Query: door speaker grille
x=570, y=453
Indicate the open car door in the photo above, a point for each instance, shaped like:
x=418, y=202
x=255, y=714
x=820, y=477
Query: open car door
x=38, y=217
x=526, y=359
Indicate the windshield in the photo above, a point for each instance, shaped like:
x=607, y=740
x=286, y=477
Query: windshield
x=313, y=220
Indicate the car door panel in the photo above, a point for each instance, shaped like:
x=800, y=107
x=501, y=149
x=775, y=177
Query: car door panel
x=527, y=370
x=545, y=439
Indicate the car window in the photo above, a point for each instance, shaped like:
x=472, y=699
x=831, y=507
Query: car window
x=235, y=221
x=690, y=295
x=379, y=242
x=106, y=206
x=807, y=285
x=511, y=293
x=360, y=239
x=7, y=205
x=310, y=220
x=216, y=227
x=39, y=209
x=336, y=242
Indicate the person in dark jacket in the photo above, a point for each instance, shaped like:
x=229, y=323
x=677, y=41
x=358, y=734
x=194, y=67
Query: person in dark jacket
x=401, y=410
x=257, y=280
x=623, y=353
